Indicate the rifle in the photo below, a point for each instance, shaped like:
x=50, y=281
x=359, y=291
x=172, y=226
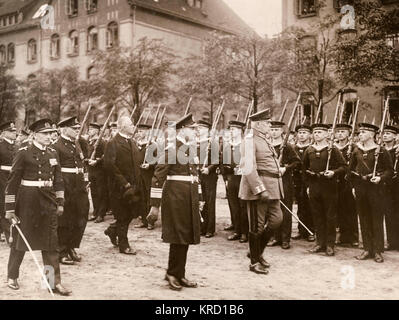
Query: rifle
x=101, y=134
x=285, y=141
x=188, y=106
x=353, y=128
x=318, y=111
x=148, y=115
x=160, y=120
x=284, y=110
x=138, y=122
x=331, y=142
x=341, y=115
x=134, y=110
x=146, y=165
x=249, y=112
x=79, y=135
x=379, y=142
x=213, y=132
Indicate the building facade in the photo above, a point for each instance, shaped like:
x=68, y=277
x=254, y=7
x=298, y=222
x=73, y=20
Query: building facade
x=304, y=13
x=72, y=30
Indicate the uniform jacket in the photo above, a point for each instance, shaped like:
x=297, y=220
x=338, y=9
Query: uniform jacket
x=7, y=152
x=179, y=200
x=35, y=207
x=290, y=160
x=259, y=154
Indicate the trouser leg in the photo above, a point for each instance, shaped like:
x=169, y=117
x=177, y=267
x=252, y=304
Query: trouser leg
x=243, y=218
x=5, y=226
x=377, y=218
x=363, y=206
x=234, y=202
x=122, y=227
x=51, y=258
x=318, y=214
x=211, y=224
x=330, y=200
x=64, y=234
x=286, y=225
x=14, y=262
x=177, y=260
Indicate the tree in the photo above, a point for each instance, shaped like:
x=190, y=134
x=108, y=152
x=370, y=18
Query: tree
x=9, y=91
x=134, y=76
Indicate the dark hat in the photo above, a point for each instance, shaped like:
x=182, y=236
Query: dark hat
x=69, y=122
x=95, y=126
x=186, y=121
x=277, y=124
x=112, y=125
x=303, y=127
x=144, y=126
x=343, y=126
x=204, y=123
x=392, y=129
x=237, y=124
x=25, y=132
x=261, y=115
x=8, y=126
x=42, y=126
x=368, y=126
x=320, y=126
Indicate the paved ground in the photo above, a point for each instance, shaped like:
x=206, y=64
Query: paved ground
x=220, y=267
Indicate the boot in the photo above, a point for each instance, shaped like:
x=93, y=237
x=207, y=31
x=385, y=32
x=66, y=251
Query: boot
x=254, y=247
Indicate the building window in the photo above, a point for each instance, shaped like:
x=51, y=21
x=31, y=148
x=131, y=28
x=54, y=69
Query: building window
x=11, y=53
x=73, y=43
x=305, y=8
x=32, y=50
x=92, y=39
x=55, y=46
x=91, y=5
x=91, y=72
x=393, y=93
x=72, y=7
x=3, y=54
x=112, y=39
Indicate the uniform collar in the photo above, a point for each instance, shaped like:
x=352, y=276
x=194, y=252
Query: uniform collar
x=319, y=148
x=38, y=145
x=299, y=145
x=9, y=141
x=339, y=147
x=361, y=147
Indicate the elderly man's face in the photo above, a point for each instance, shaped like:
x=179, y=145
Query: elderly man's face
x=320, y=135
x=365, y=135
x=44, y=138
x=342, y=134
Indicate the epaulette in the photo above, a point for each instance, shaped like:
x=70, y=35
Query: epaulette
x=23, y=148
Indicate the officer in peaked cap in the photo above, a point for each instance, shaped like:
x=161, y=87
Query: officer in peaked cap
x=261, y=186
x=175, y=188
x=36, y=179
x=72, y=224
x=369, y=190
x=7, y=152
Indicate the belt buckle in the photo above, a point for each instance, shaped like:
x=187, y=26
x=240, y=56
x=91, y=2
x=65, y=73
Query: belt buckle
x=46, y=184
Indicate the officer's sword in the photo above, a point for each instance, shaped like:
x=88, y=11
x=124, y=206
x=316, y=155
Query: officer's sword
x=307, y=229
x=15, y=225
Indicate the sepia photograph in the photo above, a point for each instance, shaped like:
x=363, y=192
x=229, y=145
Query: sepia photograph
x=217, y=152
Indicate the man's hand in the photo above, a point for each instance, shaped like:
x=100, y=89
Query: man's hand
x=145, y=166
x=92, y=163
x=153, y=215
x=329, y=174
x=282, y=170
x=354, y=192
x=10, y=215
x=201, y=205
x=60, y=211
x=307, y=191
x=205, y=171
x=375, y=180
x=264, y=196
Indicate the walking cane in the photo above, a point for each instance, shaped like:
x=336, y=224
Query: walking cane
x=297, y=219
x=15, y=225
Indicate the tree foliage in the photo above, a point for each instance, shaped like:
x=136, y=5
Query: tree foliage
x=9, y=92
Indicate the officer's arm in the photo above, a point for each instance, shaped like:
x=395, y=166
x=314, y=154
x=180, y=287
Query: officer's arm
x=158, y=179
x=14, y=181
x=109, y=162
x=386, y=164
x=58, y=182
x=293, y=158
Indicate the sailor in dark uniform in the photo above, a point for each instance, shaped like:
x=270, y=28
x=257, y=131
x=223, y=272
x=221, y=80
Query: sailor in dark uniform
x=304, y=132
x=72, y=224
x=231, y=169
x=392, y=188
x=7, y=152
x=289, y=160
x=346, y=206
x=175, y=188
x=97, y=175
x=369, y=190
x=322, y=187
x=35, y=199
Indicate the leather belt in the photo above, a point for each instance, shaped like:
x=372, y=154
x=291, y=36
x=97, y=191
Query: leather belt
x=40, y=184
x=72, y=170
x=5, y=168
x=191, y=178
x=268, y=174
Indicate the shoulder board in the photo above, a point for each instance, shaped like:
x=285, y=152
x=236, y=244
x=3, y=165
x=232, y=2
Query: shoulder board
x=51, y=149
x=23, y=148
